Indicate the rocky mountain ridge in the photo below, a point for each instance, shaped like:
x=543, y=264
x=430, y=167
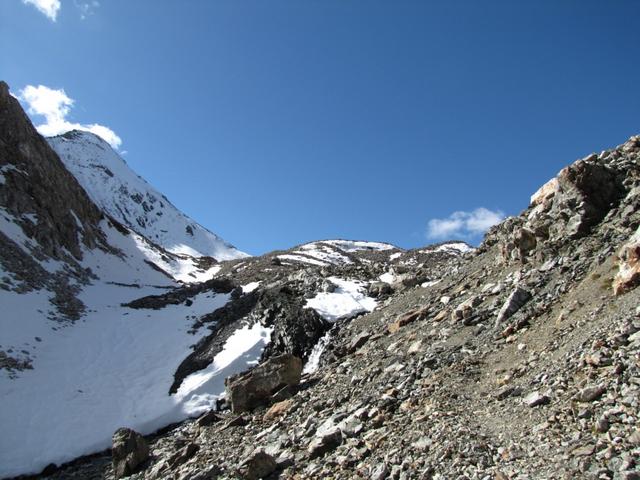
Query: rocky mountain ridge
x=516, y=360
x=521, y=362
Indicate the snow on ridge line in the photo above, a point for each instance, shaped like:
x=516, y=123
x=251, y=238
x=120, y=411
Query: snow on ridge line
x=359, y=245
x=459, y=247
x=127, y=197
x=347, y=300
x=300, y=258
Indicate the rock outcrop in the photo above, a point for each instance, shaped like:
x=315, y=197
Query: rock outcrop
x=257, y=387
x=129, y=452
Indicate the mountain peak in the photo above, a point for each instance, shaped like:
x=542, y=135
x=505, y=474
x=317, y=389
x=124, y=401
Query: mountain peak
x=128, y=198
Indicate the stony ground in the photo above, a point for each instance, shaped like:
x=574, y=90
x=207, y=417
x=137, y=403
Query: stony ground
x=522, y=362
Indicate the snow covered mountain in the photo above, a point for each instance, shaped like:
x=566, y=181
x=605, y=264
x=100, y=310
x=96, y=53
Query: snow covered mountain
x=117, y=313
x=128, y=198
x=74, y=362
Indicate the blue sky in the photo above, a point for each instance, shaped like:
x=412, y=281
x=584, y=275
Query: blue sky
x=273, y=123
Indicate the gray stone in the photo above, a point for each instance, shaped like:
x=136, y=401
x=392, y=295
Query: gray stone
x=516, y=299
x=129, y=452
x=258, y=464
x=325, y=443
x=256, y=387
x=535, y=399
x=589, y=394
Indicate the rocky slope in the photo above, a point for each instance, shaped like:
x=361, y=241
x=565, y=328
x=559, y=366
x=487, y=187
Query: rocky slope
x=519, y=360
x=97, y=332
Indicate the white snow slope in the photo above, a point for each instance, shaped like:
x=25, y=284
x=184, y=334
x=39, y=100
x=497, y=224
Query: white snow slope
x=111, y=368
x=128, y=198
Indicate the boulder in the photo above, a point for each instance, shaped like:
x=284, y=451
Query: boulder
x=407, y=318
x=586, y=192
x=129, y=452
x=516, y=299
x=278, y=409
x=466, y=309
x=258, y=464
x=324, y=443
x=378, y=289
x=628, y=276
x=247, y=391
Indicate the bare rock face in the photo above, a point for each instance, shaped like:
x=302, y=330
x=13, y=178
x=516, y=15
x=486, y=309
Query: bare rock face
x=129, y=451
x=256, y=387
x=568, y=207
x=37, y=183
x=587, y=190
x=628, y=276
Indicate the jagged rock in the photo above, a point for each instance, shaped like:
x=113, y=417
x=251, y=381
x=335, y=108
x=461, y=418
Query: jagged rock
x=359, y=341
x=535, y=398
x=239, y=421
x=278, y=409
x=628, y=276
x=182, y=455
x=525, y=241
x=129, y=452
x=378, y=289
x=381, y=472
x=407, y=318
x=589, y=394
x=208, y=418
x=249, y=390
x=257, y=465
x=325, y=443
x=586, y=192
x=466, y=309
x=516, y=299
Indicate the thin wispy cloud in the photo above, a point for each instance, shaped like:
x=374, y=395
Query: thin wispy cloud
x=86, y=8
x=55, y=105
x=50, y=8
x=463, y=225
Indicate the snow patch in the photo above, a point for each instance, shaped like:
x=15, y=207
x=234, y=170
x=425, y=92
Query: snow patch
x=354, y=246
x=300, y=258
x=313, y=361
x=242, y=350
x=112, y=369
x=387, y=277
x=250, y=287
x=454, y=247
x=346, y=301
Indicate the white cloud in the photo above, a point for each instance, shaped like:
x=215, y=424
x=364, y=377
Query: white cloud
x=86, y=8
x=49, y=7
x=54, y=106
x=464, y=224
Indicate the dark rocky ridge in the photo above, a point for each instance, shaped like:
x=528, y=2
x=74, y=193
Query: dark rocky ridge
x=38, y=183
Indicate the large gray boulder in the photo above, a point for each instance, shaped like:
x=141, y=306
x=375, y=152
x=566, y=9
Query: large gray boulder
x=129, y=451
x=516, y=299
x=256, y=387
